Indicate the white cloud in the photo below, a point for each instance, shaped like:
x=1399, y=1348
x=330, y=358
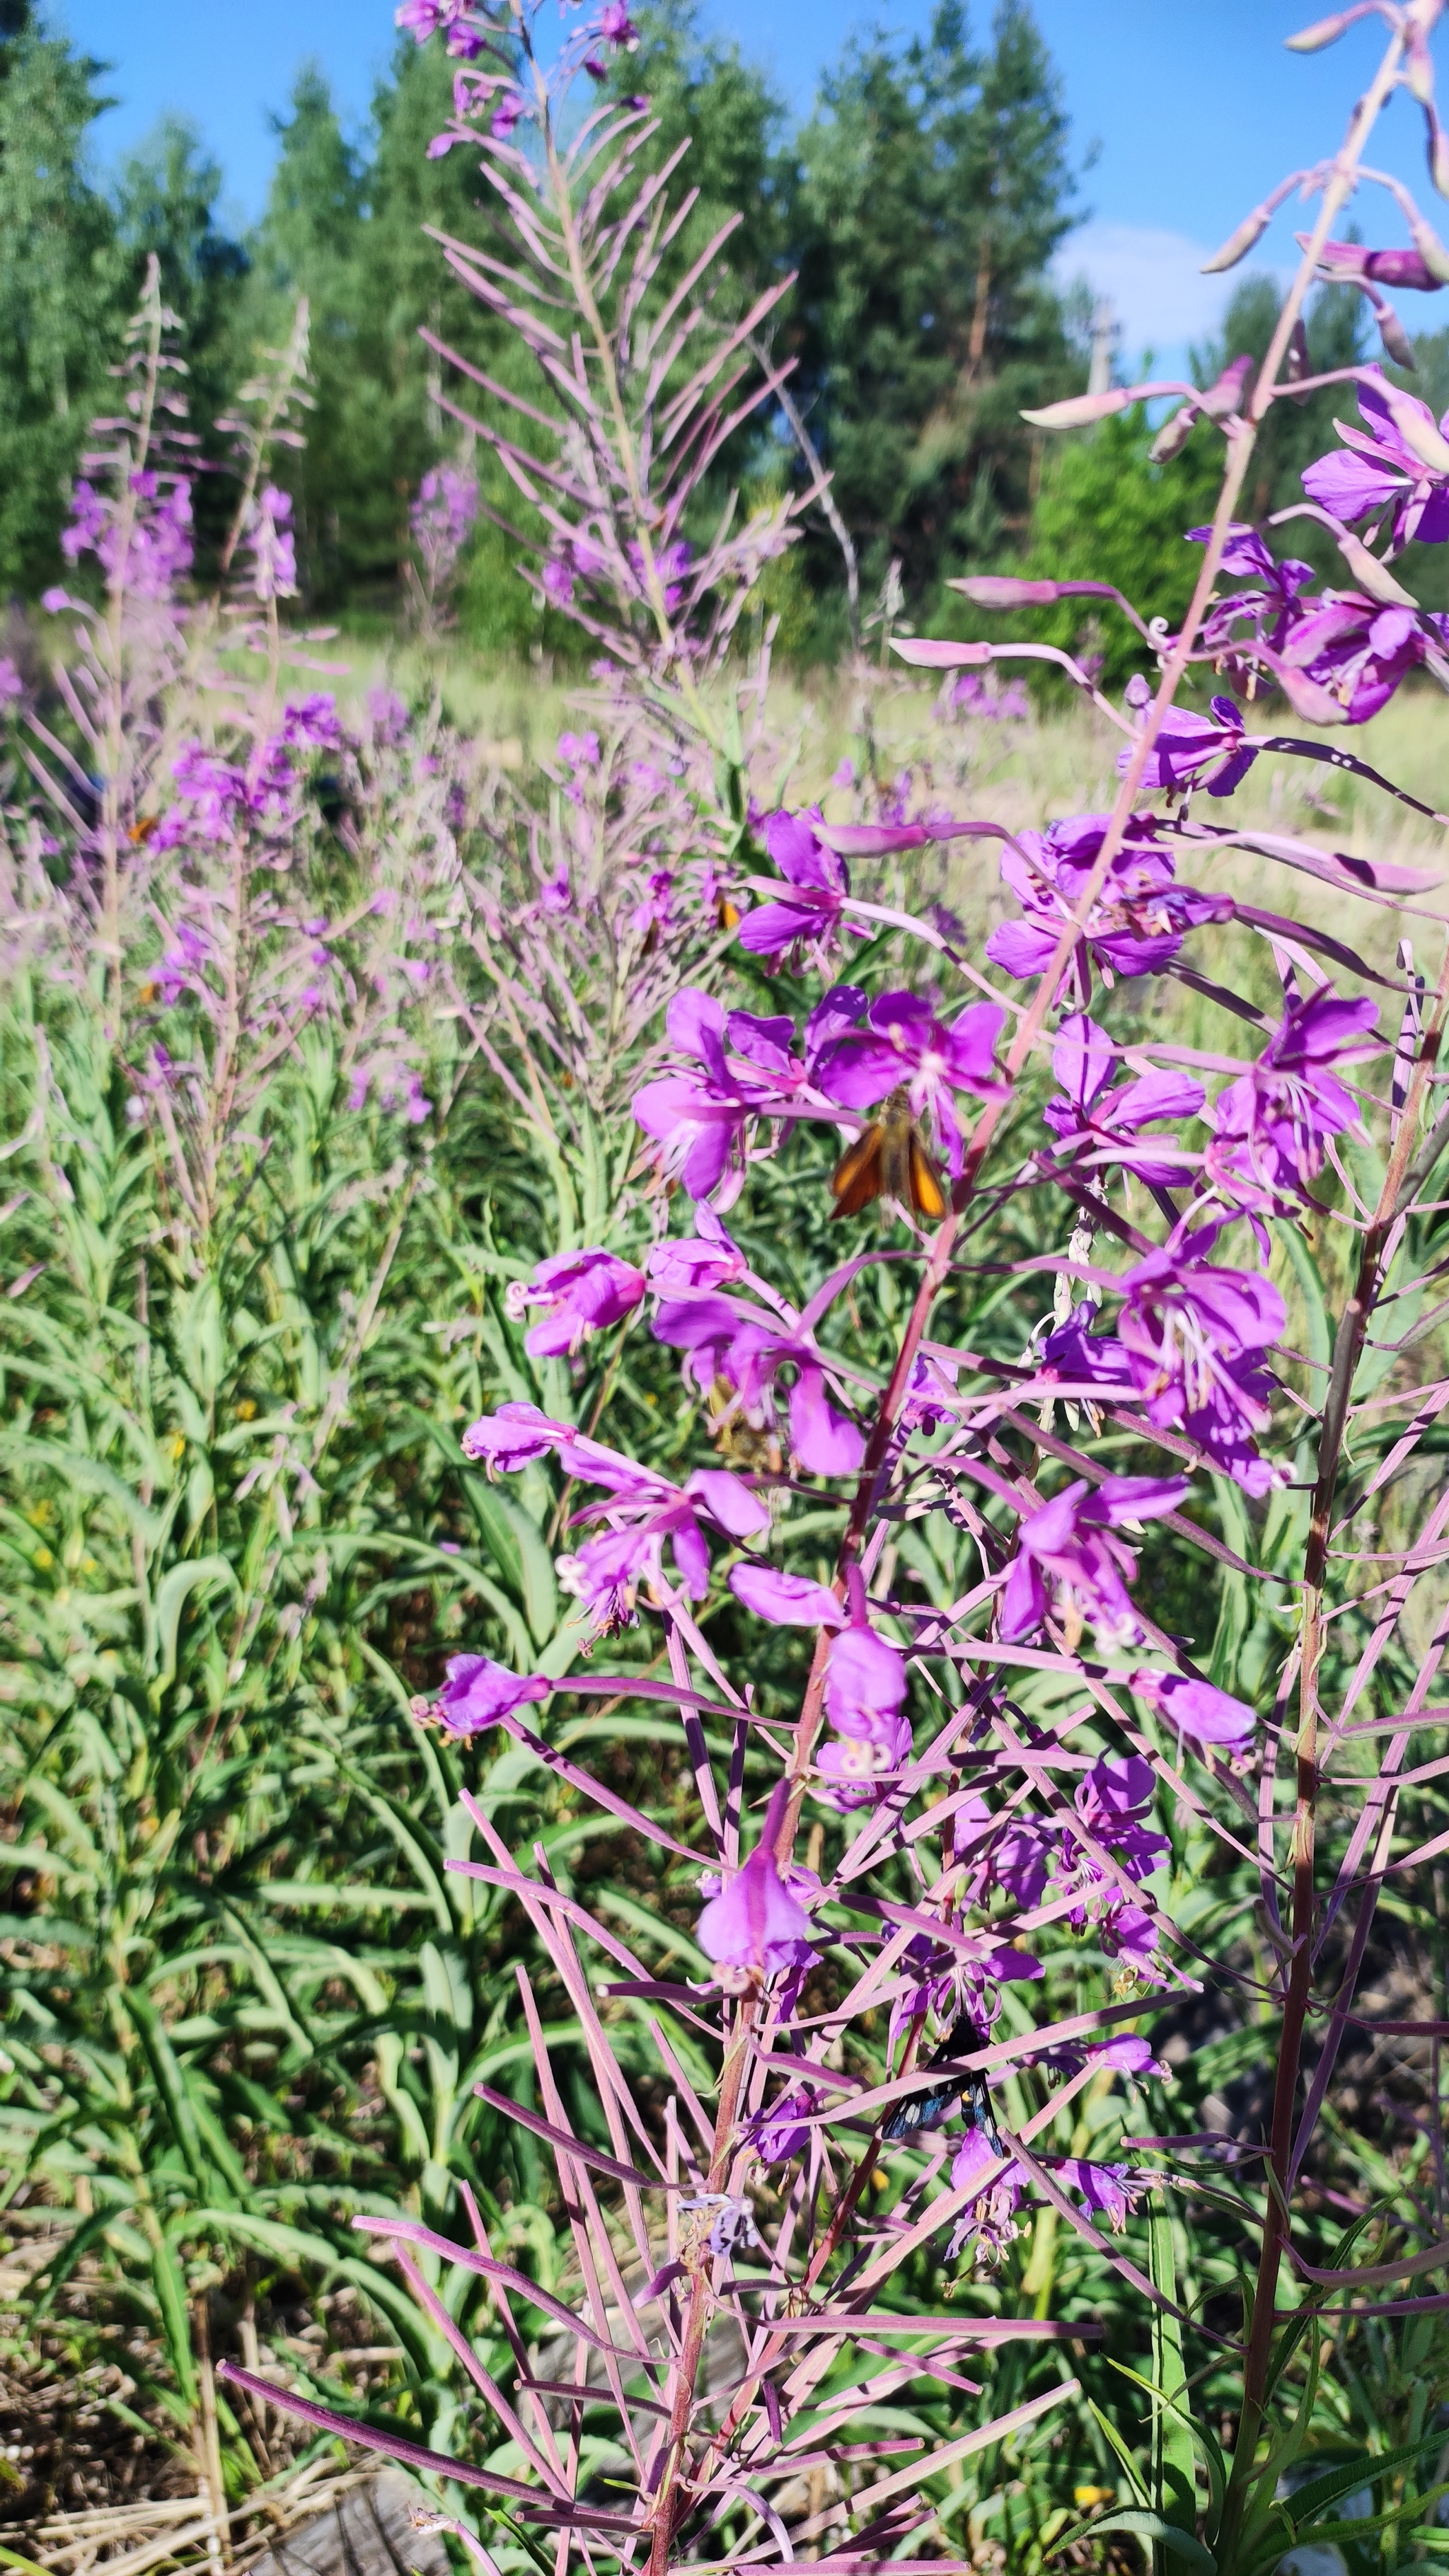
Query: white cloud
x=1154, y=282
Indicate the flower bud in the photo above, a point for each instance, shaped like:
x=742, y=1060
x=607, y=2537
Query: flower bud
x=1080, y=410
x=1238, y=244
x=1430, y=248
x=1436, y=144
x=1003, y=590
x=1418, y=74
x=1371, y=575
x=1324, y=31
x=1174, y=434
x=1397, y=343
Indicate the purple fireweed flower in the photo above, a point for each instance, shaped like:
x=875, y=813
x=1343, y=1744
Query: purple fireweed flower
x=783, y=2130
x=387, y=715
x=515, y=1436
x=1198, y=1709
x=1192, y=1332
x=1068, y=1555
x=582, y=1294
x=442, y=518
x=1105, y=1124
x=671, y=563
x=1271, y=1124
x=990, y=2219
x=755, y=1927
x=155, y=554
x=616, y=27
x=641, y=1511
x=11, y=684
x=1112, y=1802
x=479, y=1693
x=810, y=913
x=928, y=1983
x=181, y=965
x=1381, y=467
x=1268, y=610
x=865, y=1692
x=865, y=1685
x=1345, y=655
x=313, y=723
x=903, y=1043
x=730, y=1344
x=690, y=1264
x=929, y=1398
x=1136, y=925
x=746, y=1072
x=1197, y=751
x=1337, y=658
x=786, y=1600
x=1128, y=2054
x=1107, y=2189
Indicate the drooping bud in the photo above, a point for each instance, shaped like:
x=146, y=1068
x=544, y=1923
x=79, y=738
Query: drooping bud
x=1371, y=575
x=1418, y=74
x=1238, y=244
x=1430, y=248
x=1324, y=31
x=929, y=653
x=1003, y=590
x=1436, y=144
x=1397, y=343
x=1225, y=396
x=1080, y=410
x=1174, y=434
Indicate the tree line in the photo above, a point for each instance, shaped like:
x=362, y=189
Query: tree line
x=919, y=207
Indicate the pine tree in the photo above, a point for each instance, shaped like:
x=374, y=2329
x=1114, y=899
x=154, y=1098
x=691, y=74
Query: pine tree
x=929, y=197
x=59, y=300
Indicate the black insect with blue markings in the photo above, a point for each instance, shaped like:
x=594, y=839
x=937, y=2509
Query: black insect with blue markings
x=928, y=2109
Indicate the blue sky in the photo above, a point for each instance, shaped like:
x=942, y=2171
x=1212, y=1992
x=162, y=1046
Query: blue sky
x=1195, y=105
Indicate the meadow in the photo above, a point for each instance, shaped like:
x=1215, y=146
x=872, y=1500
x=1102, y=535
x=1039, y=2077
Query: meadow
x=587, y=1769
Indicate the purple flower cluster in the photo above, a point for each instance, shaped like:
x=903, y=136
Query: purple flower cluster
x=143, y=544
x=643, y=1511
x=1137, y=923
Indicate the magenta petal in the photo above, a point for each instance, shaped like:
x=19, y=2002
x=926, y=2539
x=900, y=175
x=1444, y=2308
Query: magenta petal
x=1197, y=1709
x=755, y=1925
x=478, y=1693
x=729, y=1501
x=786, y=1600
x=826, y=1443
x=865, y=1685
